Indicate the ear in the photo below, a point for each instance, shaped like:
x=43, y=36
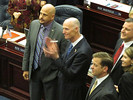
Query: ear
x=105, y=69
x=76, y=28
x=53, y=15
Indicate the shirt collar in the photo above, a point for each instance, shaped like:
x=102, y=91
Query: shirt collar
x=48, y=27
x=100, y=80
x=76, y=42
x=127, y=44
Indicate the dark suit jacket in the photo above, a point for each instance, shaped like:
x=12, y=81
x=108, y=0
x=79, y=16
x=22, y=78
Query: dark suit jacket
x=117, y=71
x=73, y=72
x=48, y=69
x=126, y=86
x=104, y=91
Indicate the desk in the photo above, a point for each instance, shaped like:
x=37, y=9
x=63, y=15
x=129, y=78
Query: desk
x=12, y=84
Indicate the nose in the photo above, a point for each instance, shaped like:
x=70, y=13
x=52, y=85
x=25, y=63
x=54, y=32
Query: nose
x=92, y=66
x=122, y=30
x=63, y=31
x=40, y=16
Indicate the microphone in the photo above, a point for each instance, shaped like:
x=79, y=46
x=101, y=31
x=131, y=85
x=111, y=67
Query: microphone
x=3, y=29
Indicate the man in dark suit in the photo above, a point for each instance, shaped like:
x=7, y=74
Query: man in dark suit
x=39, y=70
x=73, y=64
x=102, y=86
x=126, y=38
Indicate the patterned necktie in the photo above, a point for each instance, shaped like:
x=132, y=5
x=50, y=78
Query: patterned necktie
x=69, y=49
x=38, y=47
x=93, y=87
x=116, y=56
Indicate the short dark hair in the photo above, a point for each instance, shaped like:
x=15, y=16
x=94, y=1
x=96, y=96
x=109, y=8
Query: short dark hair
x=106, y=59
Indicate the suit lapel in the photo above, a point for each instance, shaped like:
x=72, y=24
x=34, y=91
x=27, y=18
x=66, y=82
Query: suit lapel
x=87, y=96
x=98, y=88
x=36, y=31
x=118, y=46
x=52, y=31
x=74, y=50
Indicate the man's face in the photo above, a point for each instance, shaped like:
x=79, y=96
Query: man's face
x=45, y=16
x=97, y=69
x=127, y=32
x=69, y=31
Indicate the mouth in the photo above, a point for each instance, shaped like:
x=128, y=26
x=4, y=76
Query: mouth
x=122, y=34
x=41, y=20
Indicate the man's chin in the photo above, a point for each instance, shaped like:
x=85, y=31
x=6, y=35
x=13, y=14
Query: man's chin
x=41, y=22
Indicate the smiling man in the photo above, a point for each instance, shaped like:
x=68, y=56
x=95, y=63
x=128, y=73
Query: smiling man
x=126, y=39
x=73, y=64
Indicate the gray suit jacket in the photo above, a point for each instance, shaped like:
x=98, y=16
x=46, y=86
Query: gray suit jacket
x=105, y=91
x=48, y=69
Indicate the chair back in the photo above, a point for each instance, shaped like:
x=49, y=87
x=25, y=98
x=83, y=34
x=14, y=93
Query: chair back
x=66, y=11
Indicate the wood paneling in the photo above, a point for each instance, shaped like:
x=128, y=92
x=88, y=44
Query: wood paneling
x=101, y=29
x=11, y=80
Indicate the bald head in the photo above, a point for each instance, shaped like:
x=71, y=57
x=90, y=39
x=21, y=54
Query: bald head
x=74, y=22
x=71, y=29
x=50, y=8
x=47, y=14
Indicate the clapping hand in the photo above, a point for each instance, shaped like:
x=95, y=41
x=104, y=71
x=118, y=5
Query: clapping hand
x=52, y=50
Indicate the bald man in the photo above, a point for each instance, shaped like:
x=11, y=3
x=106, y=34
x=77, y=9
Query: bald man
x=39, y=70
x=73, y=64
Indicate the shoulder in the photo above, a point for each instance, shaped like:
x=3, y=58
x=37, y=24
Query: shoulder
x=57, y=25
x=84, y=45
x=127, y=76
x=35, y=21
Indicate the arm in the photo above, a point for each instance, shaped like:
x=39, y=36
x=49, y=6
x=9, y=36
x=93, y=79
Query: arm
x=111, y=96
x=25, y=63
x=75, y=66
x=26, y=58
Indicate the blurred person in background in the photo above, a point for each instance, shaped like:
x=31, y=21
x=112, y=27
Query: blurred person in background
x=23, y=12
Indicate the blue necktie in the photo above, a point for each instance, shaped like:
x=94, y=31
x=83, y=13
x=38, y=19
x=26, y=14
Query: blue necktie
x=69, y=49
x=38, y=47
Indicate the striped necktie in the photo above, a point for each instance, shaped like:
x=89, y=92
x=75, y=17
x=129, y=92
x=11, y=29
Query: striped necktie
x=38, y=47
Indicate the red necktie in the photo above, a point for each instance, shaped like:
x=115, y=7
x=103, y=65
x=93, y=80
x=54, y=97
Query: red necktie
x=116, y=56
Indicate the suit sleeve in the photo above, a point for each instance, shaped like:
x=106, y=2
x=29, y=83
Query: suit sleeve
x=25, y=63
x=109, y=97
x=77, y=65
